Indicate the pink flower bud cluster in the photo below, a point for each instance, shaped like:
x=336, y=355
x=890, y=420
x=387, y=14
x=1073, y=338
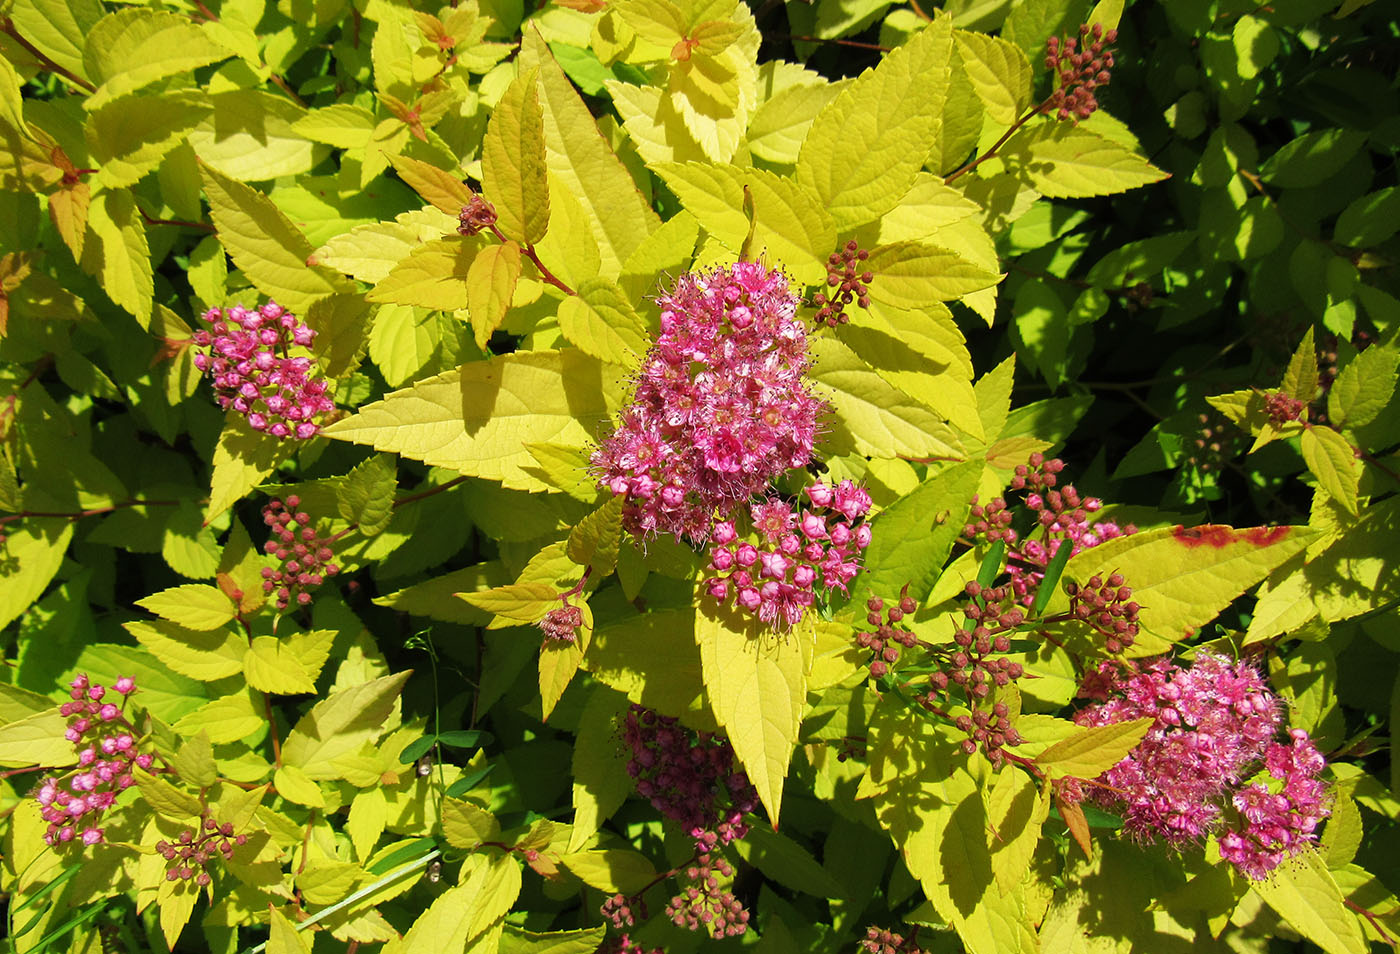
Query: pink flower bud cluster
x=189, y=855
x=689, y=777
x=1282, y=408
x=306, y=556
x=107, y=756
x=708, y=903
x=774, y=573
x=1214, y=722
x=721, y=406
x=560, y=625
x=248, y=358
x=476, y=216
x=1277, y=817
x=847, y=283
x=886, y=638
x=1081, y=65
x=884, y=941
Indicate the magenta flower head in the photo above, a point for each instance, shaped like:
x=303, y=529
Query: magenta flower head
x=245, y=353
x=721, y=406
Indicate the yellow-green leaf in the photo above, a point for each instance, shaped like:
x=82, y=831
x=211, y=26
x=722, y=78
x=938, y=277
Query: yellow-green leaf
x=1332, y=460
x=513, y=170
x=466, y=826
x=1300, y=377
x=444, y=190
x=476, y=420
x=270, y=666
x=999, y=72
x=594, y=541
x=911, y=275
x=1303, y=892
x=1016, y=812
x=165, y=798
x=265, y=244
x=370, y=252
x=129, y=137
x=601, y=321
x=1065, y=161
x=610, y=870
x=194, y=605
x=491, y=280
x=36, y=740
x=243, y=458
x=865, y=148
x=1092, y=751
x=252, y=137
x=284, y=938
x=514, y=602
x=340, y=724
x=1364, y=388
x=434, y=275
x=559, y=661
x=342, y=125
x=134, y=47
x=200, y=655
x=756, y=682
x=115, y=251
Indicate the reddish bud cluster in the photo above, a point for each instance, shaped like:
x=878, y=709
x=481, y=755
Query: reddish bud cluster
x=690, y=777
x=107, y=756
x=707, y=903
x=847, y=283
x=775, y=573
x=561, y=624
x=886, y=639
x=253, y=373
x=1081, y=65
x=305, y=555
x=1107, y=607
x=884, y=941
x=189, y=855
x=1214, y=444
x=1282, y=408
x=476, y=216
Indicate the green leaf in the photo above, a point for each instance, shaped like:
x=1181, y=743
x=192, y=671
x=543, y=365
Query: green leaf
x=1369, y=220
x=165, y=798
x=1065, y=161
x=116, y=252
x=434, y=275
x=594, y=542
x=756, y=684
x=1363, y=389
x=881, y=419
x=1303, y=892
x=370, y=252
x=135, y=47
x=1300, y=378
x=265, y=244
x=1312, y=158
x=786, y=862
x=601, y=321
x=790, y=227
x=342, y=125
x=491, y=281
x=339, y=724
x=611, y=870
x=866, y=146
x=365, y=496
x=466, y=826
x=252, y=137
x=1091, y=752
x=601, y=783
x=514, y=603
x=194, y=606
x=1332, y=460
x=1182, y=577
x=582, y=941
x=999, y=72
x=911, y=538
x=129, y=137
x=34, y=551
x=270, y=666
x=1016, y=812
x=476, y=420
x=910, y=275
x=617, y=214
x=513, y=162
x=243, y=458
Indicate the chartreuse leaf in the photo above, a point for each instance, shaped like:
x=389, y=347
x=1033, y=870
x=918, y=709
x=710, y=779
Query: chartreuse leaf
x=514, y=603
x=435, y=275
x=252, y=136
x=195, y=606
x=34, y=549
x=594, y=541
x=339, y=724
x=781, y=122
x=116, y=252
x=1304, y=894
x=582, y=941
x=440, y=188
x=653, y=659
x=1092, y=751
x=270, y=666
x=910, y=275
x=365, y=496
x=790, y=227
x=601, y=321
x=1182, y=577
x=612, y=870
x=756, y=683
x=560, y=660
x=881, y=419
x=129, y=137
x=601, y=783
x=466, y=826
x=175, y=900
x=243, y=458
x=491, y=281
x=617, y=214
x=1300, y=377
x=1363, y=388
x=342, y=125
x=167, y=799
x=1332, y=460
x=788, y=863
x=135, y=47
x=200, y=655
x=476, y=420
x=36, y=740
x=283, y=937
x=999, y=72
x=866, y=146
x=513, y=162
x=1016, y=812
x=1065, y=161
x=264, y=243
x=370, y=252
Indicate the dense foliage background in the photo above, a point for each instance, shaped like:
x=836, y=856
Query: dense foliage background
x=1179, y=279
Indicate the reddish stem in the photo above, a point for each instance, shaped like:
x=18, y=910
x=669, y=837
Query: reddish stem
x=999, y=143
x=8, y=27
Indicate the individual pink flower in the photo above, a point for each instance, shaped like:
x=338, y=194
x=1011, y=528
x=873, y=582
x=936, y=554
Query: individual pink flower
x=721, y=405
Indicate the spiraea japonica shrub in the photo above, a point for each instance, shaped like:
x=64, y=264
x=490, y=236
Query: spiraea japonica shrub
x=650, y=476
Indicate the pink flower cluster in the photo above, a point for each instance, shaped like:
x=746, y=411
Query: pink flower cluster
x=720, y=408
x=1213, y=724
x=254, y=374
x=106, y=757
x=775, y=578
x=689, y=777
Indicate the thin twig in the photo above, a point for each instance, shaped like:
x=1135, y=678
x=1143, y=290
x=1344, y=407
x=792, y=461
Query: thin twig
x=8, y=27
